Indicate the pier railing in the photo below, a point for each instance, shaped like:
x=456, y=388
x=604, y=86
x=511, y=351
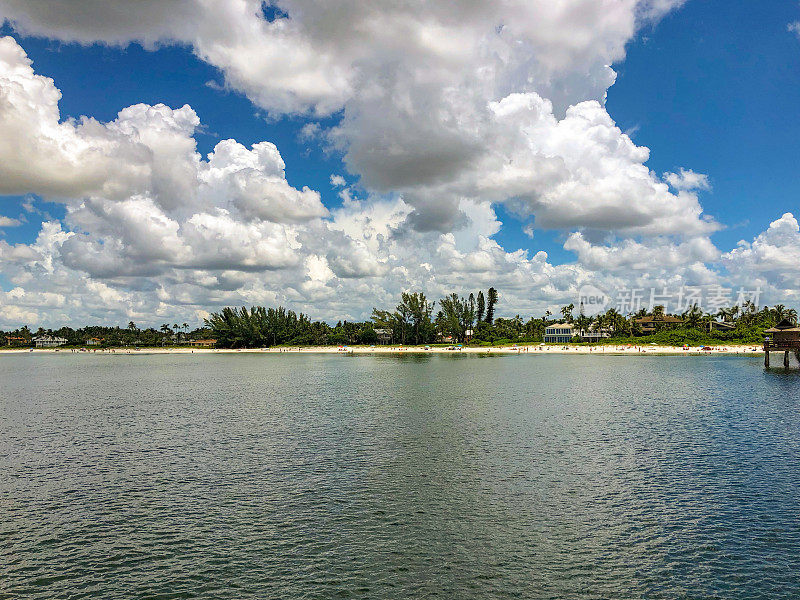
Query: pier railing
x=782, y=346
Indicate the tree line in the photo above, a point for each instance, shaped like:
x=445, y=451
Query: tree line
x=458, y=319
x=105, y=336
x=416, y=320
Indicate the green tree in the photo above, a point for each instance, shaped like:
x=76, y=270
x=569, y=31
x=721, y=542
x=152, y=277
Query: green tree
x=481, y=306
x=491, y=300
x=456, y=317
x=415, y=310
x=693, y=317
x=566, y=312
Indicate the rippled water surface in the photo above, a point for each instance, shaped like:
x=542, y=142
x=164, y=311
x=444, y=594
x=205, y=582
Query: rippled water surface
x=330, y=476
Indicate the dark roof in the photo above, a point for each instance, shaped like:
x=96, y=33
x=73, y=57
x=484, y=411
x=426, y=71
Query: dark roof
x=786, y=324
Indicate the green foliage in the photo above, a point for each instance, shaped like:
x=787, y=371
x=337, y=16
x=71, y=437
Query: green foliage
x=491, y=300
x=456, y=317
x=481, y=306
x=411, y=323
x=692, y=337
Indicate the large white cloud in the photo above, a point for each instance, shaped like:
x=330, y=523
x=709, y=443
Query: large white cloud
x=432, y=93
x=171, y=234
x=771, y=260
x=321, y=55
x=446, y=109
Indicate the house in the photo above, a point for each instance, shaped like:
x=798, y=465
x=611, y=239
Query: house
x=209, y=343
x=16, y=341
x=657, y=323
x=595, y=334
x=559, y=333
x=384, y=336
x=720, y=326
x=94, y=341
x=48, y=341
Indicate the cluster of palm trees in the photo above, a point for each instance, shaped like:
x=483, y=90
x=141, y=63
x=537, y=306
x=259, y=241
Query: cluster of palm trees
x=173, y=332
x=746, y=316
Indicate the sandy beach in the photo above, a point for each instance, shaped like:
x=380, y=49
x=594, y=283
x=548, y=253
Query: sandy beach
x=614, y=350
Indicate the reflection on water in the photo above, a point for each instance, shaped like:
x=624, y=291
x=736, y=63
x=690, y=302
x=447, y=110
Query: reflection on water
x=319, y=476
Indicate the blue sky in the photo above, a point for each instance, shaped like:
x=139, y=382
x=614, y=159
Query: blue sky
x=706, y=86
x=713, y=87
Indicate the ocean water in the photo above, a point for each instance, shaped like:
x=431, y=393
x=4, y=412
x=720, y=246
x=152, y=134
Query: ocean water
x=332, y=476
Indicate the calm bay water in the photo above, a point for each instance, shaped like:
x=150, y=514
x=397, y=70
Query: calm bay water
x=330, y=476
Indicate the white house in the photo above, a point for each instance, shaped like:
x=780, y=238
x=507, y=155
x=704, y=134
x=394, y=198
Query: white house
x=558, y=333
x=594, y=334
x=48, y=341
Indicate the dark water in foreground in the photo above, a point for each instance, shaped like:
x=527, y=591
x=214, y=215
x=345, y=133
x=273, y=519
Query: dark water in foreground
x=256, y=476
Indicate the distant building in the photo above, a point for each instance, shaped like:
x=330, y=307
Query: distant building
x=94, y=341
x=657, y=323
x=784, y=337
x=384, y=336
x=595, y=334
x=16, y=341
x=210, y=343
x=720, y=326
x=559, y=333
x=785, y=333
x=48, y=341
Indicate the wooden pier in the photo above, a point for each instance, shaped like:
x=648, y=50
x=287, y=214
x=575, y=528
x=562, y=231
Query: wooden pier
x=784, y=337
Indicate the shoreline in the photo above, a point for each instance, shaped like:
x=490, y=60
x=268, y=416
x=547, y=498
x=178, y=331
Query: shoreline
x=611, y=350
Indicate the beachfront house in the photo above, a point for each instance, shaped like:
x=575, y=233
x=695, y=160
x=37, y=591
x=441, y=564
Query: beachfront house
x=94, y=341
x=49, y=341
x=209, y=343
x=655, y=323
x=12, y=340
x=559, y=333
x=595, y=334
x=720, y=326
x=384, y=336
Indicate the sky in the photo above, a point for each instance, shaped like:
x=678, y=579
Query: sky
x=160, y=160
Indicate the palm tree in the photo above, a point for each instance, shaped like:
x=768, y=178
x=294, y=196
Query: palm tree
x=566, y=311
x=693, y=317
x=780, y=312
x=166, y=330
x=726, y=314
x=583, y=322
